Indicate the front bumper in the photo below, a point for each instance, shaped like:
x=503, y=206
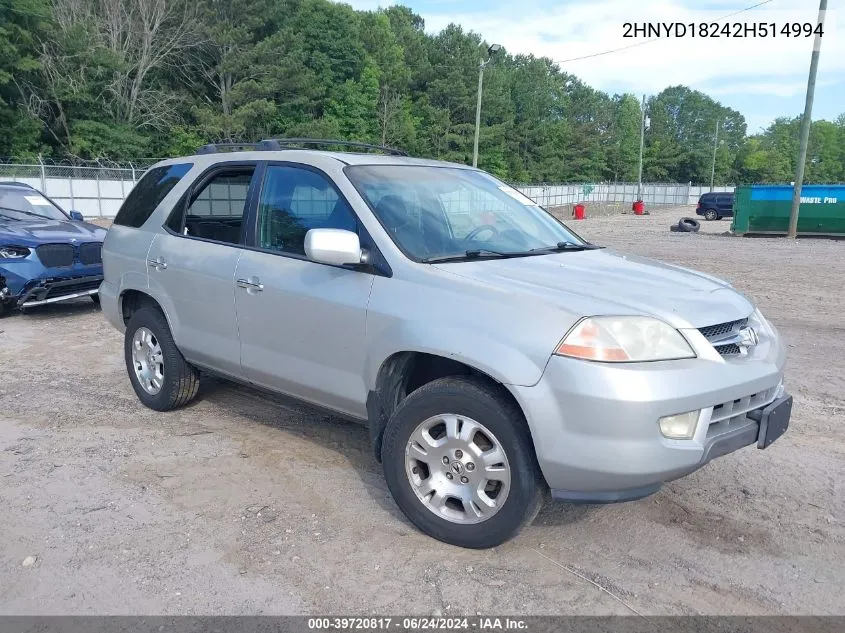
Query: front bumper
x=595, y=425
x=61, y=289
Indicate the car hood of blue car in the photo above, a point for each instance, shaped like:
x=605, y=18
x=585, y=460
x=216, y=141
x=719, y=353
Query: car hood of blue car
x=34, y=232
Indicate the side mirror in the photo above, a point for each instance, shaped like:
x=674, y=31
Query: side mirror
x=333, y=246
x=76, y=215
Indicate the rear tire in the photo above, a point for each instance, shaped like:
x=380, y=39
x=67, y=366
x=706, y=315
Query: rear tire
x=711, y=215
x=160, y=375
x=463, y=514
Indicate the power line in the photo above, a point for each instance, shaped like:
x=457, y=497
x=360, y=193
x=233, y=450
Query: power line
x=654, y=39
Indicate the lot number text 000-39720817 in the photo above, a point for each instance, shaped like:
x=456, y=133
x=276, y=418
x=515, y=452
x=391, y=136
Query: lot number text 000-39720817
x=720, y=29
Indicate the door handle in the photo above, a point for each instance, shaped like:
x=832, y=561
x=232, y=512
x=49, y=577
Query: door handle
x=158, y=263
x=250, y=284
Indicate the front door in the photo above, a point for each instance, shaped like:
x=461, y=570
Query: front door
x=302, y=324
x=192, y=268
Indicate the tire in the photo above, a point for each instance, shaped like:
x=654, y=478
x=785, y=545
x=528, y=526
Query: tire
x=179, y=379
x=711, y=215
x=469, y=399
x=688, y=225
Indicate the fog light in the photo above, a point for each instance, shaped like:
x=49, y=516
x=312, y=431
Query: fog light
x=679, y=427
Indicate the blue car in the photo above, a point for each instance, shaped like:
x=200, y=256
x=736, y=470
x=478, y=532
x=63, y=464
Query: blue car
x=46, y=255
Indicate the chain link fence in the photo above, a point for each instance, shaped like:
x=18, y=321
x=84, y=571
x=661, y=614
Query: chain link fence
x=98, y=189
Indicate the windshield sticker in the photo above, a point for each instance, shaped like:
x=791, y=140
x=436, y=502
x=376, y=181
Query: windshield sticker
x=516, y=195
x=38, y=201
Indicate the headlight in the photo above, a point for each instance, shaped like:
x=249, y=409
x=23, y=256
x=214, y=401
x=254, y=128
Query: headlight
x=13, y=252
x=624, y=339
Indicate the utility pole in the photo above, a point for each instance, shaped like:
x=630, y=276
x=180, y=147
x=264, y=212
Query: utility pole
x=491, y=50
x=715, y=147
x=478, y=113
x=642, y=145
x=805, y=127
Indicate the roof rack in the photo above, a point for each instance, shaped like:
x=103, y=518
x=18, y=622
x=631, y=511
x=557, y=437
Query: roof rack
x=216, y=148
x=282, y=143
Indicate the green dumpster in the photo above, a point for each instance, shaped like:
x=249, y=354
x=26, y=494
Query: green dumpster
x=764, y=209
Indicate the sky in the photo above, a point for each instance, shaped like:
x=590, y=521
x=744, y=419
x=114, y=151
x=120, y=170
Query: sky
x=762, y=77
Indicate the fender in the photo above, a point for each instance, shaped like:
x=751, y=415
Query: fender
x=504, y=363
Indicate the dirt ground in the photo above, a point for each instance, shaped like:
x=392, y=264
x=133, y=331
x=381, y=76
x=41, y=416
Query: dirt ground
x=249, y=504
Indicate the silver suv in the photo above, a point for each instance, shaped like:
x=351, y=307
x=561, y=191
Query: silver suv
x=492, y=353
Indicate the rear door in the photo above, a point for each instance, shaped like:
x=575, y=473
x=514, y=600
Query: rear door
x=192, y=266
x=302, y=324
x=726, y=203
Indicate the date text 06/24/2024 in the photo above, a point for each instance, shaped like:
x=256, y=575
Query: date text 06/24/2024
x=718, y=29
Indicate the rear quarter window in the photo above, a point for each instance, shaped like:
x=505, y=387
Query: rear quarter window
x=149, y=192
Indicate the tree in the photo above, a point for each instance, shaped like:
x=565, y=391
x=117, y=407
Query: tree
x=21, y=24
x=128, y=79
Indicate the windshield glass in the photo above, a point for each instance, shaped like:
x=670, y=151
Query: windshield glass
x=27, y=204
x=443, y=212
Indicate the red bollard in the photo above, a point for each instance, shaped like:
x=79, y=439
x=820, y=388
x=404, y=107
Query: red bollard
x=579, y=212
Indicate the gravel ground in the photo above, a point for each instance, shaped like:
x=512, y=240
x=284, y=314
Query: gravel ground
x=244, y=503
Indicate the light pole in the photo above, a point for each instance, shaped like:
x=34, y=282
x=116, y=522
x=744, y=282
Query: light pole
x=805, y=128
x=493, y=48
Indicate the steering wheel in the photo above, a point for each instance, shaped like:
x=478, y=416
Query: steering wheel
x=480, y=229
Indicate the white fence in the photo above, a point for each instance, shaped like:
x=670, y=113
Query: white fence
x=99, y=191
x=616, y=194
x=94, y=191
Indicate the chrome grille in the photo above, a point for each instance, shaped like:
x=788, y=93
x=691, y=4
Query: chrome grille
x=55, y=255
x=724, y=332
x=732, y=349
x=91, y=253
x=714, y=332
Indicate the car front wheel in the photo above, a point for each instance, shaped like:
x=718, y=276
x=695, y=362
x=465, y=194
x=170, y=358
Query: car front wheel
x=160, y=375
x=711, y=215
x=460, y=463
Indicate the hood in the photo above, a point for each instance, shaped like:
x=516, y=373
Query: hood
x=34, y=232
x=589, y=283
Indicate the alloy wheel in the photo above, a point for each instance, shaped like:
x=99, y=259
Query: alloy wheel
x=147, y=360
x=457, y=468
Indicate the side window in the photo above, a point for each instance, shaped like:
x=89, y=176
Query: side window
x=293, y=201
x=149, y=192
x=217, y=211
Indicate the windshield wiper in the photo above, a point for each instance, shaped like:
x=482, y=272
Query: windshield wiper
x=566, y=247
x=473, y=253
x=37, y=215
x=477, y=253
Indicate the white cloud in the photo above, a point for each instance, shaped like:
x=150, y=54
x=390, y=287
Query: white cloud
x=743, y=69
x=585, y=27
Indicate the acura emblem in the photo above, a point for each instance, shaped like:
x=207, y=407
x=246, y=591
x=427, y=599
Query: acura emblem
x=748, y=337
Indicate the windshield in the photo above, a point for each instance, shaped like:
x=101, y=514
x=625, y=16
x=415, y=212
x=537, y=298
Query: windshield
x=27, y=204
x=435, y=213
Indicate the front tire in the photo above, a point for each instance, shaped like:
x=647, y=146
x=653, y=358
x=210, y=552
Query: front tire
x=711, y=215
x=459, y=461
x=162, y=378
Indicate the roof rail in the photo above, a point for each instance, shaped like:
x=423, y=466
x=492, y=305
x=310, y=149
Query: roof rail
x=216, y=148
x=282, y=143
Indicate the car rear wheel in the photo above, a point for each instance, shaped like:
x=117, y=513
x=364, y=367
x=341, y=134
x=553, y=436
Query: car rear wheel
x=459, y=462
x=160, y=375
x=711, y=215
